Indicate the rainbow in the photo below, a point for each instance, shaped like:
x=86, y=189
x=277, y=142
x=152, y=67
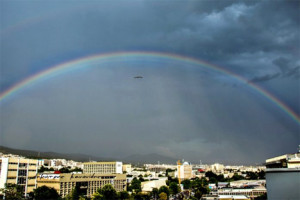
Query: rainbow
x=87, y=61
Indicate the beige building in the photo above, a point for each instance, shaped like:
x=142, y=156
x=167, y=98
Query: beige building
x=103, y=167
x=127, y=168
x=49, y=180
x=21, y=171
x=86, y=184
x=184, y=171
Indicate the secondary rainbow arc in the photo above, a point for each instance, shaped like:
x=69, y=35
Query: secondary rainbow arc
x=60, y=68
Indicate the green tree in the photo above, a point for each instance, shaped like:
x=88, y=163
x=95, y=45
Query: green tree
x=186, y=184
x=97, y=196
x=198, y=194
x=42, y=169
x=141, y=178
x=155, y=193
x=142, y=196
x=170, y=180
x=262, y=174
x=64, y=170
x=168, y=171
x=108, y=192
x=210, y=174
x=174, y=188
x=45, y=193
x=251, y=175
x=136, y=185
x=163, y=196
x=74, y=194
x=164, y=189
x=237, y=177
x=13, y=192
x=200, y=186
x=124, y=195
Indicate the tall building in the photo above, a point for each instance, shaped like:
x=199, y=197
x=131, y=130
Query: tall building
x=103, y=167
x=184, y=171
x=21, y=171
x=86, y=184
x=283, y=177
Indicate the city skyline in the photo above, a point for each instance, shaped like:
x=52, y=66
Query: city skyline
x=218, y=80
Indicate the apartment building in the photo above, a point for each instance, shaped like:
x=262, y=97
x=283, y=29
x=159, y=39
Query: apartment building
x=21, y=171
x=103, y=167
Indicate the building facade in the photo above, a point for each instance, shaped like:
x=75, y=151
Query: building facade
x=127, y=168
x=184, y=171
x=86, y=184
x=103, y=167
x=252, y=193
x=21, y=171
x=49, y=180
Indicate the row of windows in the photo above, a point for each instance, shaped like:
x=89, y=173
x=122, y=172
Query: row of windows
x=31, y=185
x=241, y=193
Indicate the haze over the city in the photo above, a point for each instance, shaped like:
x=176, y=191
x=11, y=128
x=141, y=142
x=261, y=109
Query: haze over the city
x=216, y=81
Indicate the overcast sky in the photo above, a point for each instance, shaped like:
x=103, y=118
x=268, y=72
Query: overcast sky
x=178, y=109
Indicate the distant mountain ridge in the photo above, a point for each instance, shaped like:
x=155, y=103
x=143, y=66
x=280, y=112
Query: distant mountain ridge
x=151, y=158
x=50, y=155
x=135, y=159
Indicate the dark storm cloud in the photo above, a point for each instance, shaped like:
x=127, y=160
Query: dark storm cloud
x=242, y=36
x=265, y=78
x=169, y=110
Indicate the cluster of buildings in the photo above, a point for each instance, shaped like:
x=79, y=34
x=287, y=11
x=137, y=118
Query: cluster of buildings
x=57, y=164
x=282, y=176
x=24, y=172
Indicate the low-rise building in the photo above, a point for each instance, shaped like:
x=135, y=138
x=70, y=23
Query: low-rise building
x=86, y=184
x=252, y=193
x=148, y=186
x=225, y=197
x=114, y=167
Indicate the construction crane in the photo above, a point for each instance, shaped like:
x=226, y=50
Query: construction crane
x=178, y=171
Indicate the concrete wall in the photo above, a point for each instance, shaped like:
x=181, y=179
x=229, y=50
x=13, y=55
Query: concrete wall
x=283, y=183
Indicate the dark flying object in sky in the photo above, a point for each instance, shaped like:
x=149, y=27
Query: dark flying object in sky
x=138, y=77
